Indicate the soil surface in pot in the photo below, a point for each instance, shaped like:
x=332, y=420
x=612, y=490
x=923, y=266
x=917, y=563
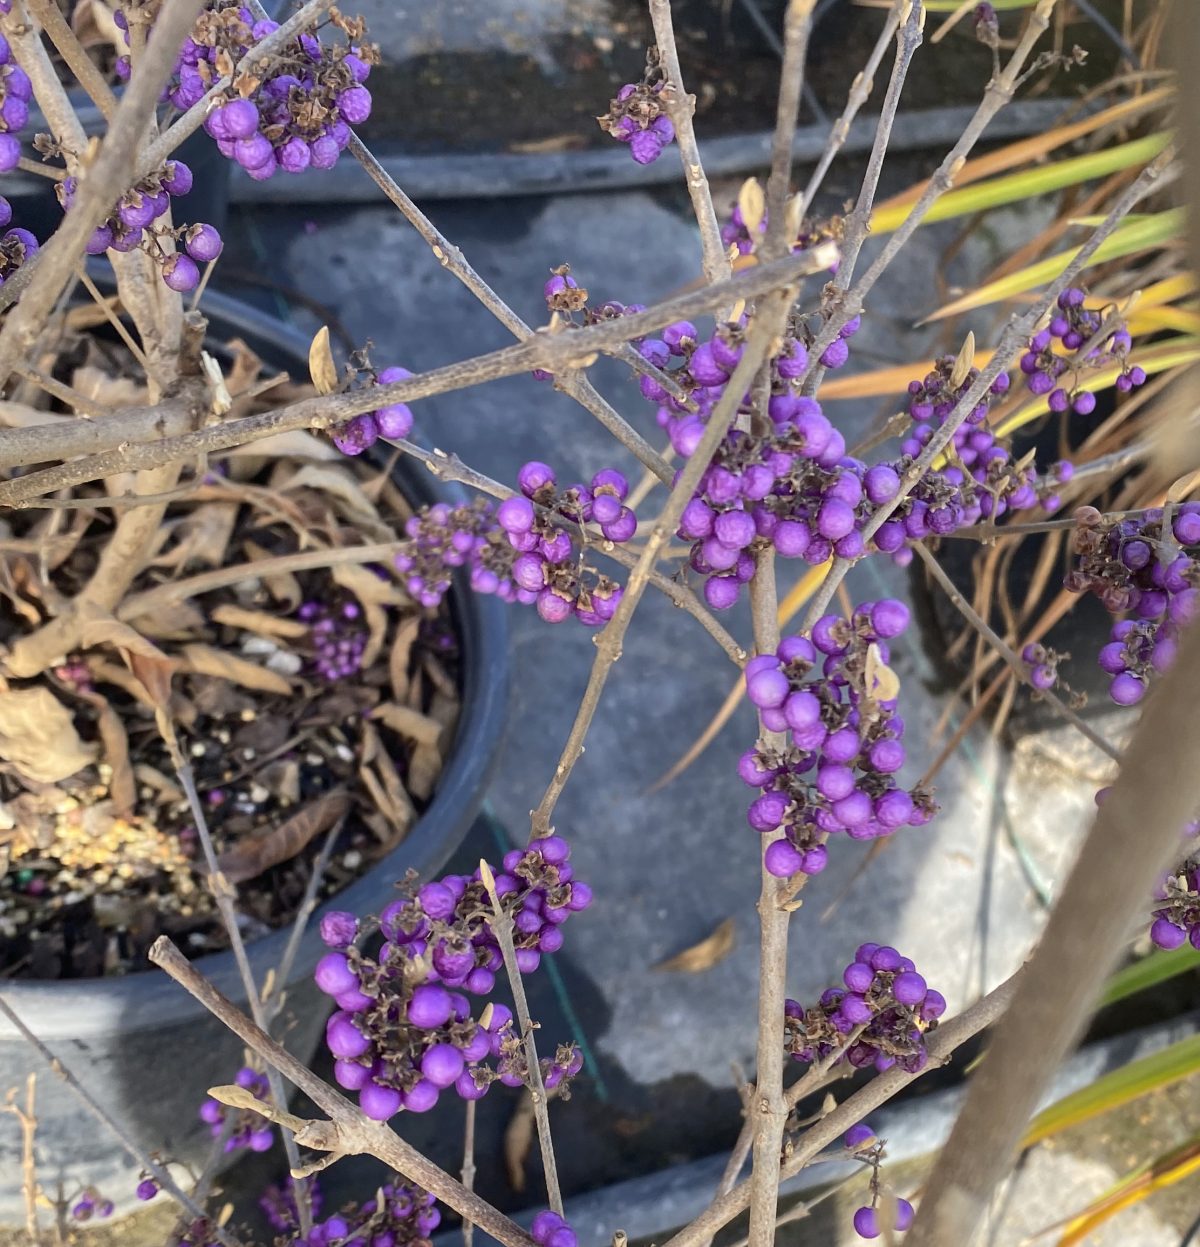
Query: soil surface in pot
x=313, y=705
x=498, y=95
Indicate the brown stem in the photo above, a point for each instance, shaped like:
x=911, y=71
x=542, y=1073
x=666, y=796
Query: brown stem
x=998, y=93
x=30, y=53
x=99, y=187
x=1019, y=667
x=940, y=1045
x=767, y=325
x=1012, y=341
x=468, y=1169
x=767, y=1111
x=502, y=925
x=159, y=1174
x=681, y=108
x=552, y=351
x=49, y=16
x=797, y=24
x=348, y=1131
x=1153, y=798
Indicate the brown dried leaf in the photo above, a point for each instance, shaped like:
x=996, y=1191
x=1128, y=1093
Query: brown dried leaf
x=398, y=660
x=345, y=490
x=38, y=736
x=121, y=786
x=175, y=622
x=408, y=722
x=151, y=667
x=423, y=770
x=381, y=779
x=262, y=623
x=964, y=362
x=882, y=683
x=207, y=660
x=203, y=537
x=101, y=385
x=518, y=1141
x=753, y=204
x=283, y=587
x=251, y=858
x=703, y=956
x=373, y=595
x=321, y=367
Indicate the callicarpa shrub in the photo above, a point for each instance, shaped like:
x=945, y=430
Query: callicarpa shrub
x=754, y=470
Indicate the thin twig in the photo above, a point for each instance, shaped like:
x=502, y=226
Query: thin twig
x=502, y=926
x=156, y=1171
x=27, y=1119
x=107, y=177
x=998, y=93
x=468, y=1169
x=49, y=16
x=64, y=393
x=348, y=1131
x=860, y=92
x=553, y=351
x=1152, y=799
x=1019, y=667
x=681, y=108
x=1012, y=341
x=766, y=327
x=797, y=25
x=940, y=1045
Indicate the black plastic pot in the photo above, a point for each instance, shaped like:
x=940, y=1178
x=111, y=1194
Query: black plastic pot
x=140, y=1044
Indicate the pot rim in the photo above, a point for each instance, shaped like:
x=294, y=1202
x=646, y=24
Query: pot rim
x=147, y=998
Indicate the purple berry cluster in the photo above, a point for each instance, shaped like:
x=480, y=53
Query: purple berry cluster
x=736, y=233
x=861, y=1141
x=394, y=421
x=550, y=1230
x=16, y=245
x=837, y=770
x=1177, y=914
x=339, y=637
x=296, y=117
x=90, y=1204
x=278, y=1204
x=879, y=1017
x=637, y=116
x=15, y=93
x=1147, y=566
x=1043, y=665
x=399, y=1216
x=1070, y=328
x=403, y=1032
x=523, y=550
x=250, y=1130
x=131, y=225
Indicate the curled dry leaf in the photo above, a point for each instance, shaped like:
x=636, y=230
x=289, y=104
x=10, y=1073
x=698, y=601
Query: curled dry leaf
x=408, y=722
x=881, y=681
x=398, y=659
x=121, y=785
x=151, y=668
x=703, y=956
x=373, y=595
x=207, y=660
x=518, y=1141
x=753, y=204
x=381, y=779
x=282, y=586
x=346, y=493
x=250, y=858
x=38, y=736
x=321, y=367
x=261, y=623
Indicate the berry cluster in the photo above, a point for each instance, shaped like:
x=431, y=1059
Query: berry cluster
x=878, y=1018
x=250, y=1130
x=278, y=1204
x=861, y=1141
x=395, y=421
x=523, y=551
x=15, y=93
x=399, y=1216
x=91, y=1204
x=131, y=225
x=1071, y=327
x=1043, y=665
x=16, y=245
x=1146, y=565
x=638, y=116
x=403, y=1032
x=1177, y=916
x=302, y=109
x=736, y=233
x=837, y=772
x=339, y=637
x=550, y=1230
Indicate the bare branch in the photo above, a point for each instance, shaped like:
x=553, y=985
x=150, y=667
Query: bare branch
x=797, y=24
x=49, y=16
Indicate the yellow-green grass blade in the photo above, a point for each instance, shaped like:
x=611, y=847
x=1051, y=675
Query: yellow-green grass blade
x=1146, y=972
x=1025, y=184
x=1110, y=1091
x=1128, y=238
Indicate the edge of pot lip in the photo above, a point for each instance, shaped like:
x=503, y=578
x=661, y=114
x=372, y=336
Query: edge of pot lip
x=145, y=999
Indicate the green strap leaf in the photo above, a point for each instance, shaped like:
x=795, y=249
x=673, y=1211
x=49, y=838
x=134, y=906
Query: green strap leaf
x=1157, y=968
